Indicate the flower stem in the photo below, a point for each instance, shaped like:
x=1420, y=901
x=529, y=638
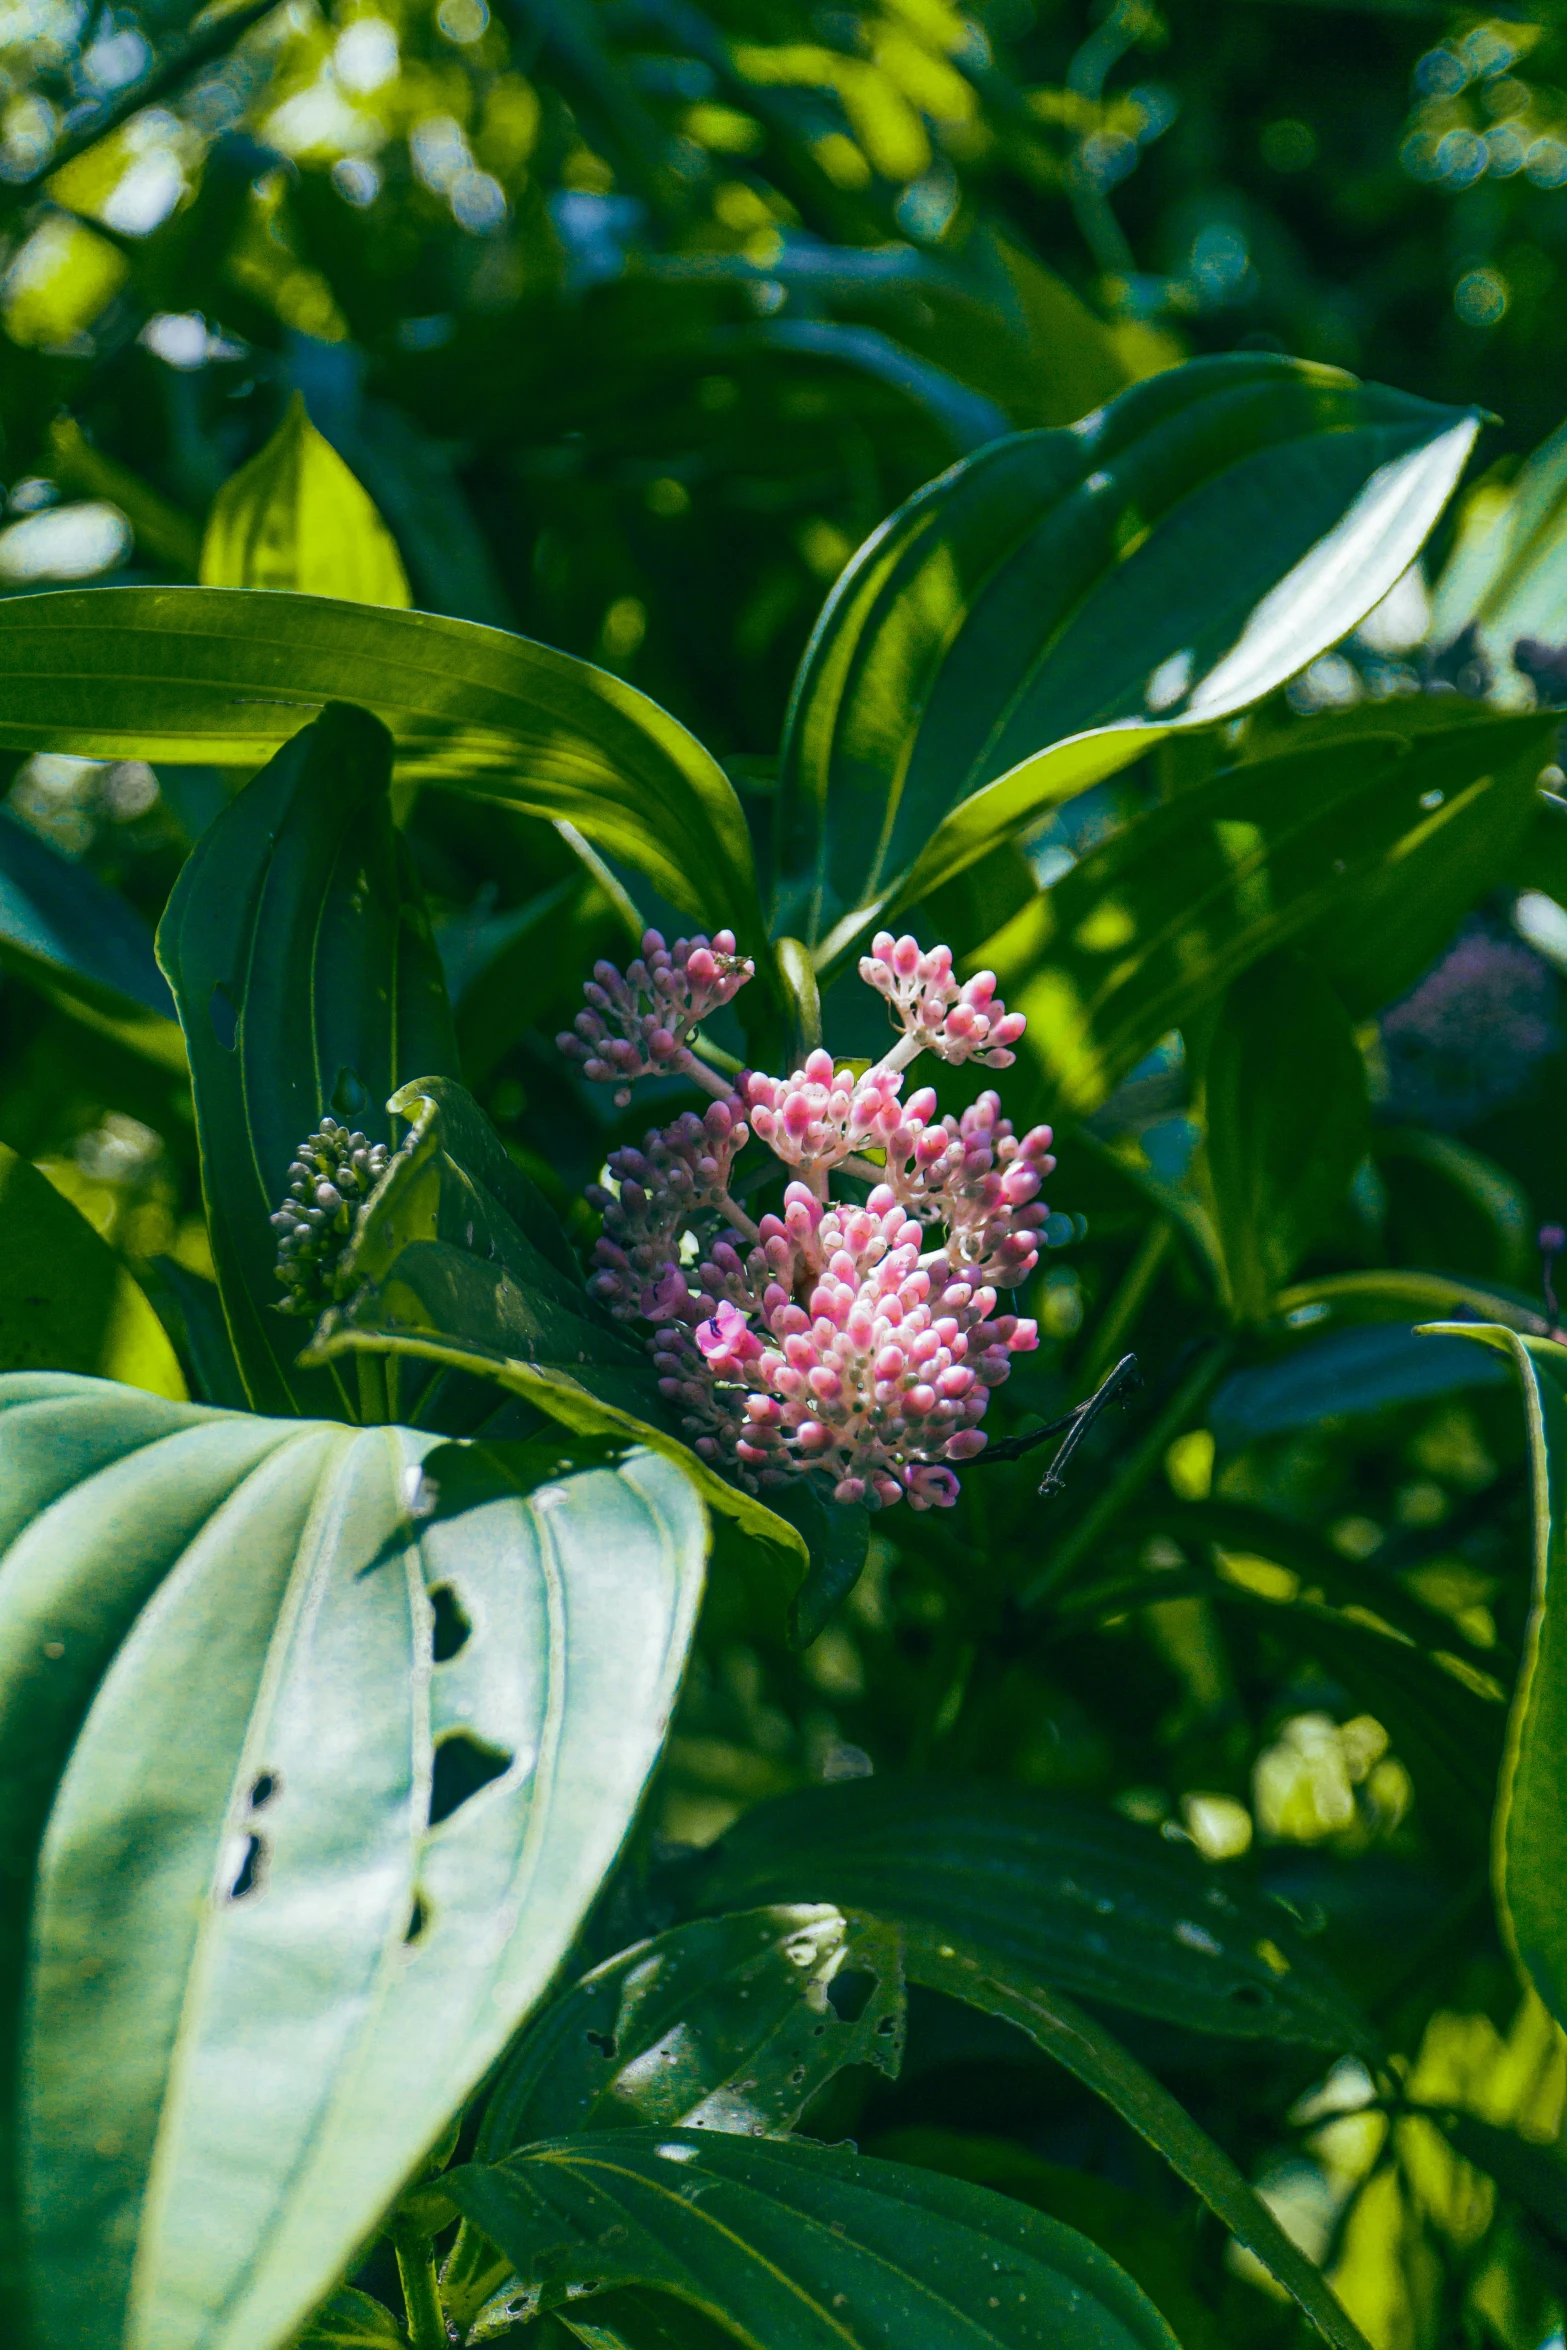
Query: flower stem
x=373, y=1407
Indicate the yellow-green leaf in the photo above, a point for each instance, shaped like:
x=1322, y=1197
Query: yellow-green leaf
x=66, y=1301
x=295, y=517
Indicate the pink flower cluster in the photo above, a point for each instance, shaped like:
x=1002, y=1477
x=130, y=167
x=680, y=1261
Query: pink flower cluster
x=854, y=1344
x=641, y=1023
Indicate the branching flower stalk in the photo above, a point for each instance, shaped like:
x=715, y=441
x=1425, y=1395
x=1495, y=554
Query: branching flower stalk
x=853, y=1341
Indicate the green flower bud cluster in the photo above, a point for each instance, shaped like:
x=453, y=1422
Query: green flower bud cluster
x=332, y=1176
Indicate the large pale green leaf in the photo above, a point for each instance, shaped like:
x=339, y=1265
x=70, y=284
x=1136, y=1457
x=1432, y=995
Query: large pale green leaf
x=215, y=674
x=1073, y=1895
x=66, y=1301
x=1151, y=926
x=1284, y=1088
x=84, y=945
x=1168, y=560
x=798, y=2247
x=299, y=952
x=1529, y=1846
x=316, y=1744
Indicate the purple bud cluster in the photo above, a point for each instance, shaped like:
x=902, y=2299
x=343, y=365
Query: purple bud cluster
x=640, y=1023
x=332, y=1174
x=854, y=1344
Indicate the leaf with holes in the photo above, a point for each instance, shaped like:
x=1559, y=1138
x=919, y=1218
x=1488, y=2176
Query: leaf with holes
x=299, y=952
x=790, y=2246
x=1167, y=561
x=315, y=1744
x=66, y=1301
x=730, y=2023
x=193, y=674
x=83, y=945
x=1074, y=1896
x=1180, y=901
x=1529, y=1840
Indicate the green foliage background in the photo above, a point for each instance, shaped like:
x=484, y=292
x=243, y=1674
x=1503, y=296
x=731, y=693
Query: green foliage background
x=631, y=320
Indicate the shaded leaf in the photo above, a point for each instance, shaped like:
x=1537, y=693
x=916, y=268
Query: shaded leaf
x=789, y=2244
x=83, y=945
x=348, y=2320
x=66, y=1301
x=193, y=674
x=1098, y=2060
x=1070, y=1894
x=1287, y=1124
x=321, y=1863
x=1361, y=1369
x=295, y=517
x=299, y=952
x=1168, y=560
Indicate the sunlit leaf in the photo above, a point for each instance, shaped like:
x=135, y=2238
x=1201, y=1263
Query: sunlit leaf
x=66, y=1301
x=1530, y=1842
x=295, y=517
x=316, y=1745
x=192, y=674
x=1169, y=560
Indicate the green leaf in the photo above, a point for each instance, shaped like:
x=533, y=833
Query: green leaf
x=193, y=674
x=83, y=946
x=316, y=1745
x=1452, y=1205
x=352, y=2321
x=1087, y=2050
x=66, y=1301
x=1506, y=577
x=1151, y=926
x=1359, y=1369
x=1167, y=561
x=299, y=952
x=1070, y=1894
x=1529, y=1846
x=728, y=2023
x=1534, y=2175
x=295, y=517
x=1287, y=1124
x=789, y=2246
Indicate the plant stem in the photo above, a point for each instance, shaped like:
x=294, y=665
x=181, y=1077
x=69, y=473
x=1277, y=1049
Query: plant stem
x=1120, y=1315
x=421, y=2293
x=1192, y=1392
x=373, y=1411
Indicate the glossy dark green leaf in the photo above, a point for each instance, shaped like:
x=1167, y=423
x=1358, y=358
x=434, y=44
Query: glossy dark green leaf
x=1170, y=559
x=789, y=2246
x=316, y=1744
x=1087, y=2050
x=633, y=2319
x=1529, y=1849
x=1151, y=926
x=1287, y=1121
x=199, y=674
x=299, y=952
x=1072, y=1895
x=84, y=945
x=66, y=1301
x=729, y=2023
